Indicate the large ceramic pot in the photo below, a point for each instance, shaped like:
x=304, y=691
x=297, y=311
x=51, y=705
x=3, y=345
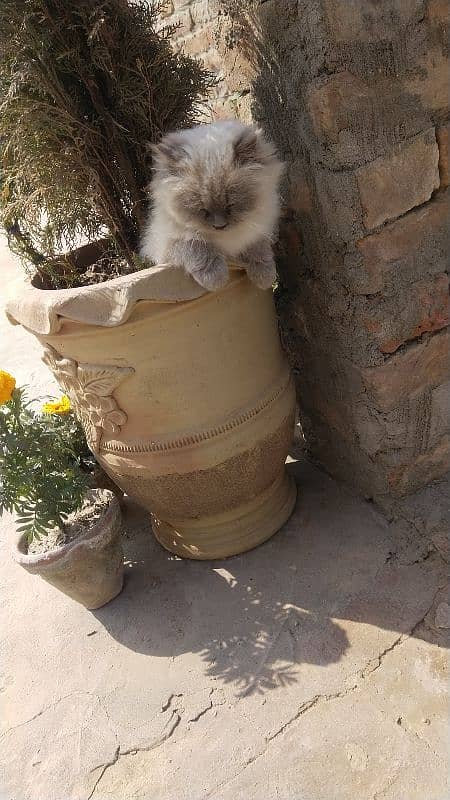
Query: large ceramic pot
x=186, y=398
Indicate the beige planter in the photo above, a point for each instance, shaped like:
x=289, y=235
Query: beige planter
x=186, y=398
x=89, y=569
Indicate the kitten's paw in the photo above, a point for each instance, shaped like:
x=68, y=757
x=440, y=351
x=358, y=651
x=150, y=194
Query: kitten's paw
x=262, y=273
x=214, y=275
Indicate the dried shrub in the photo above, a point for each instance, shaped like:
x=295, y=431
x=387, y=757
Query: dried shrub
x=85, y=88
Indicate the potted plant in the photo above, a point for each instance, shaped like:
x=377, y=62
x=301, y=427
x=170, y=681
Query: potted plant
x=185, y=396
x=69, y=532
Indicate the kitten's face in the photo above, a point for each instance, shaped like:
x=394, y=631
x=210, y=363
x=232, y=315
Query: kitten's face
x=218, y=191
x=216, y=200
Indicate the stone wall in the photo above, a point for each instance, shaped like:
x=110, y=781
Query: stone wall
x=356, y=97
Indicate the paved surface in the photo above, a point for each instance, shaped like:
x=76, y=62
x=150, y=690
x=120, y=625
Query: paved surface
x=313, y=668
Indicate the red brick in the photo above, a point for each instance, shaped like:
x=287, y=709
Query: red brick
x=393, y=184
x=422, y=308
x=442, y=133
x=420, y=365
x=401, y=250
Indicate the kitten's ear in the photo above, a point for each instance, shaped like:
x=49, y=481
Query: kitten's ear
x=246, y=146
x=251, y=147
x=169, y=153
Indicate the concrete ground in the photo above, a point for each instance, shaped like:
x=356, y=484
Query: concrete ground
x=313, y=668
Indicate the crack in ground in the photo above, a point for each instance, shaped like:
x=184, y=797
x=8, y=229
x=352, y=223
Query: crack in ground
x=408, y=731
x=104, y=767
x=176, y=718
x=372, y=666
x=27, y=721
x=43, y=711
x=204, y=710
x=307, y=705
x=165, y=706
x=300, y=711
x=380, y=793
x=378, y=660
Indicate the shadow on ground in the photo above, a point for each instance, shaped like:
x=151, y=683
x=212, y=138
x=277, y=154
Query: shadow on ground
x=255, y=618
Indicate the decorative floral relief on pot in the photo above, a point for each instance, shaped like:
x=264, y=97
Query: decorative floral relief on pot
x=90, y=388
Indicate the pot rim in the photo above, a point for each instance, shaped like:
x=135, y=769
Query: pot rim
x=105, y=527
x=107, y=304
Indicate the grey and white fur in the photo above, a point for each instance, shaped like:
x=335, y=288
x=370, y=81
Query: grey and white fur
x=215, y=196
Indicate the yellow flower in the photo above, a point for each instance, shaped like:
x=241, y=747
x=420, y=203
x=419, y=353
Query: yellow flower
x=7, y=386
x=61, y=406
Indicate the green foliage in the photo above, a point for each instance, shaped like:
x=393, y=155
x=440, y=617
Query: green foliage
x=45, y=465
x=86, y=87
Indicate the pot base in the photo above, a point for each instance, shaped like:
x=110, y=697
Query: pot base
x=231, y=532
x=103, y=601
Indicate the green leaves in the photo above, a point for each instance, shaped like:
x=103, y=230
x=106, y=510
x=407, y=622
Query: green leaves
x=45, y=466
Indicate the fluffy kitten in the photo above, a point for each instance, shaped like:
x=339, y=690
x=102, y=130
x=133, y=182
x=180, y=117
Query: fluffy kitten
x=214, y=196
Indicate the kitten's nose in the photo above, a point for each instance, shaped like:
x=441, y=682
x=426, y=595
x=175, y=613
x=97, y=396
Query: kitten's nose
x=219, y=221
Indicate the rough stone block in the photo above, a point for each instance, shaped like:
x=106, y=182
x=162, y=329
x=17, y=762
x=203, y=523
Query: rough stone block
x=418, y=366
x=299, y=189
x=167, y=9
x=356, y=20
x=337, y=195
x=212, y=61
x=402, y=251
x=440, y=411
x=233, y=106
x=204, y=11
x=413, y=428
x=199, y=41
x=237, y=69
x=182, y=19
x=416, y=426
x=344, y=458
x=330, y=386
x=393, y=184
x=333, y=102
x=407, y=478
x=356, y=120
x=429, y=85
x=437, y=13
x=442, y=136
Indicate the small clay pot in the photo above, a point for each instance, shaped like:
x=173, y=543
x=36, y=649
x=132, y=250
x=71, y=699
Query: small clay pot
x=88, y=569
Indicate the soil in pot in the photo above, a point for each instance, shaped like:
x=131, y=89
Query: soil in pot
x=76, y=525
x=88, y=265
